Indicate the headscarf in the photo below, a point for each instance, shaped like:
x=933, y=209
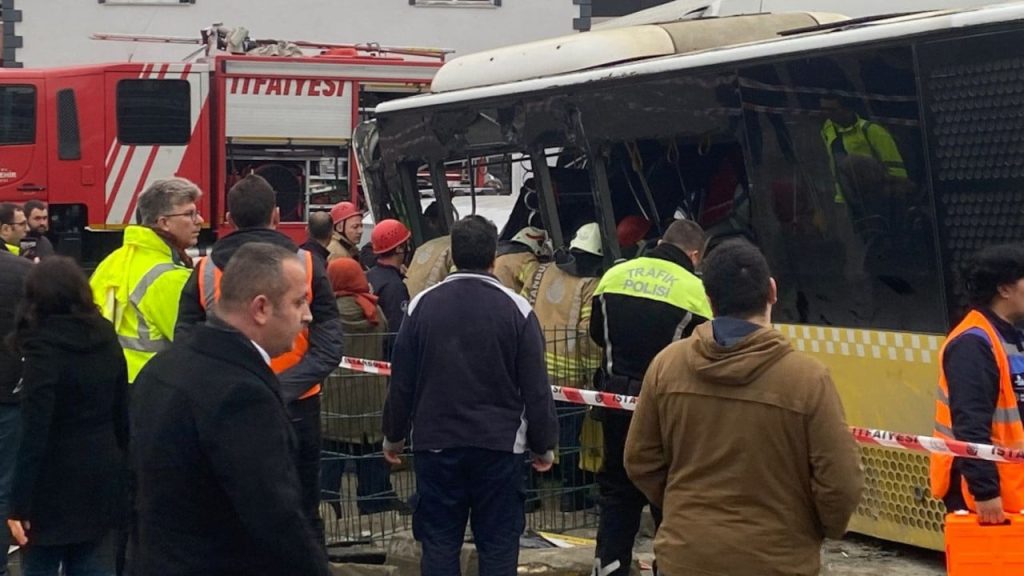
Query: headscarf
x=348, y=279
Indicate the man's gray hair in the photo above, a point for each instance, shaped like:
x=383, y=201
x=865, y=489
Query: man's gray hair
x=163, y=196
x=255, y=269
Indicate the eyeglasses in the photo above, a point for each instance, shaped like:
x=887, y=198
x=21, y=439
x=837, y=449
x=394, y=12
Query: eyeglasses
x=22, y=223
x=192, y=215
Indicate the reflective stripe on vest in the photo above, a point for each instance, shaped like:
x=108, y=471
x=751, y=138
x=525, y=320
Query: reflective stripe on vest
x=1007, y=429
x=658, y=280
x=209, y=276
x=145, y=342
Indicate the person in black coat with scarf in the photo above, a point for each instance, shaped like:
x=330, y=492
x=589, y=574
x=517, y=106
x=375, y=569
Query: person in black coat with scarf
x=67, y=489
x=213, y=451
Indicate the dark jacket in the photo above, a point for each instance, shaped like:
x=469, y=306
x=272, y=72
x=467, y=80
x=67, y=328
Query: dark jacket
x=325, y=332
x=12, y=288
x=35, y=245
x=317, y=249
x=468, y=371
x=973, y=380
x=745, y=449
x=388, y=283
x=217, y=491
x=74, y=431
x=633, y=329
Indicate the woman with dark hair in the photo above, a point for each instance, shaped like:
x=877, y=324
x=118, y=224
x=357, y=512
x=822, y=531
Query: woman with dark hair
x=67, y=489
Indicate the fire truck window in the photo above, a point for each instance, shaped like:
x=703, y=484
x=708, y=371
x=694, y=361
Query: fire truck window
x=69, y=142
x=17, y=115
x=154, y=112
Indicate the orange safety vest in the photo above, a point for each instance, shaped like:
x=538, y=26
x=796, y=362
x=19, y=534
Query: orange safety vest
x=209, y=292
x=1007, y=429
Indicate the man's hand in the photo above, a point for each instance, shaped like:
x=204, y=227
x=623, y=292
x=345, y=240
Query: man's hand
x=392, y=451
x=991, y=511
x=544, y=462
x=392, y=458
x=18, y=528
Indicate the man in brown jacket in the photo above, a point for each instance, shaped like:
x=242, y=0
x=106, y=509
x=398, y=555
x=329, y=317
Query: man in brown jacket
x=740, y=439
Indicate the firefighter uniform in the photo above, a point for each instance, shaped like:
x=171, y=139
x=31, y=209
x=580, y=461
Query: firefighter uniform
x=431, y=263
x=512, y=264
x=640, y=306
x=950, y=481
x=560, y=294
x=137, y=288
x=519, y=255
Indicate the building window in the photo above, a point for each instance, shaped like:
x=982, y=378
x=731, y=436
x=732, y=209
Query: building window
x=145, y=2
x=154, y=112
x=17, y=115
x=613, y=8
x=457, y=3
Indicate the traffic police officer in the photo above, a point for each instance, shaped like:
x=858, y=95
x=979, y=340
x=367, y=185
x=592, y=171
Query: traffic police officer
x=640, y=306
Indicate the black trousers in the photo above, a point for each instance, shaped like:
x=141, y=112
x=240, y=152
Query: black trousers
x=484, y=487
x=305, y=417
x=621, y=502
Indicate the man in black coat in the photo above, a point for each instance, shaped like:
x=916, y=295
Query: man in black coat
x=252, y=210
x=12, y=288
x=212, y=446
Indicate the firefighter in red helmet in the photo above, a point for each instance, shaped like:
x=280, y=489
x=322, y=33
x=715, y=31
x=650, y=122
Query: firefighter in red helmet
x=390, y=242
x=348, y=230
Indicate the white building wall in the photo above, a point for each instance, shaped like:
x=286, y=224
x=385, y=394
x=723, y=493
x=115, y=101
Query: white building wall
x=56, y=32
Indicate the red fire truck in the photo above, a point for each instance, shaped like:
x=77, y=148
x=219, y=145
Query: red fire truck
x=88, y=139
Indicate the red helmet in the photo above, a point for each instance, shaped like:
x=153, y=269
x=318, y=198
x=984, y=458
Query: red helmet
x=632, y=229
x=388, y=235
x=343, y=211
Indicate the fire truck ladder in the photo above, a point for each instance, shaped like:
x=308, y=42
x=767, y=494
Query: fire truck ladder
x=236, y=40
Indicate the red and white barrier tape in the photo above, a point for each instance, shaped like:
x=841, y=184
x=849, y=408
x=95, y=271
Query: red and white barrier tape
x=926, y=444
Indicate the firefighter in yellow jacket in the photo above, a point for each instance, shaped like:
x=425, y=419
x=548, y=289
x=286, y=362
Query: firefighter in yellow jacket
x=561, y=293
x=137, y=287
x=519, y=255
x=981, y=388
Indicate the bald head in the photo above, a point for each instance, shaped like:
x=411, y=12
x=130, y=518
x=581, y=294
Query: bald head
x=319, y=226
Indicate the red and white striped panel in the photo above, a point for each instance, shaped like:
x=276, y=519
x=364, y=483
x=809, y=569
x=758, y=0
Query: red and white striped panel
x=130, y=168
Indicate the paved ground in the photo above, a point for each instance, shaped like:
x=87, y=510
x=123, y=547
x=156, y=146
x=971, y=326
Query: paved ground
x=858, y=555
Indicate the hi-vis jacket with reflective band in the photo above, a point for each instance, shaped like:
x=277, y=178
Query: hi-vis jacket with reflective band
x=657, y=279
x=13, y=249
x=1006, y=424
x=864, y=138
x=209, y=275
x=137, y=288
x=562, y=303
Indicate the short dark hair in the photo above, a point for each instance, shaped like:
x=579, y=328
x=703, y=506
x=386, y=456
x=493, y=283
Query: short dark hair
x=251, y=202
x=320, y=225
x=737, y=279
x=685, y=234
x=990, y=268
x=255, y=269
x=34, y=205
x=54, y=286
x=7, y=212
x=474, y=243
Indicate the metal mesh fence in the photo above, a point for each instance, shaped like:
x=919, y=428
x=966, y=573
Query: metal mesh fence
x=364, y=500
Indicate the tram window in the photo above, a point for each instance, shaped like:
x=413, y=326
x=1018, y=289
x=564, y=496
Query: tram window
x=840, y=206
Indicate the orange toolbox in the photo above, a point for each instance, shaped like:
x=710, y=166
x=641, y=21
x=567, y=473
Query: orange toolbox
x=974, y=549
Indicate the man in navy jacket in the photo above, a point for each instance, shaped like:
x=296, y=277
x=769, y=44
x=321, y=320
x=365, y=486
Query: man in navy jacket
x=469, y=391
